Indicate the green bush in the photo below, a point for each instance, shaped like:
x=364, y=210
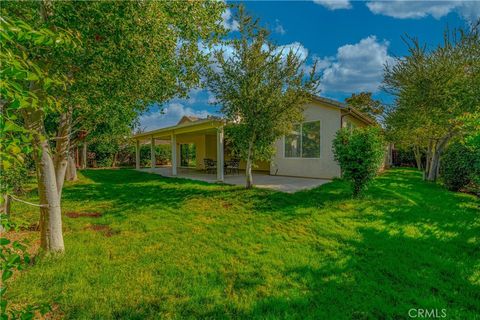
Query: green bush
x=360, y=153
x=460, y=164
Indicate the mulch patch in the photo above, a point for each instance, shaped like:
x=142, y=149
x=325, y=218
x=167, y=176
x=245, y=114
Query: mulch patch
x=106, y=230
x=74, y=214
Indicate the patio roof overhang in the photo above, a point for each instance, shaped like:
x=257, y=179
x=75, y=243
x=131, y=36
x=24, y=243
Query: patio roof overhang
x=198, y=126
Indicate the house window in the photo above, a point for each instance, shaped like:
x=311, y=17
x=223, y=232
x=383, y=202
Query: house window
x=304, y=141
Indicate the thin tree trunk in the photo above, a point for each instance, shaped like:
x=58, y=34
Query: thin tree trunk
x=418, y=157
x=114, y=161
x=434, y=162
x=50, y=211
x=428, y=162
x=71, y=173
x=84, y=155
x=62, y=149
x=434, y=168
x=5, y=205
x=248, y=168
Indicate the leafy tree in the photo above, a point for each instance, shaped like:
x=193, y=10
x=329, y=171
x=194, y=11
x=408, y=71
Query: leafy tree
x=261, y=91
x=132, y=53
x=27, y=91
x=364, y=102
x=360, y=153
x=434, y=91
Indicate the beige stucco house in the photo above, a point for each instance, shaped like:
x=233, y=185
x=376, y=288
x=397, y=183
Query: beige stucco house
x=306, y=152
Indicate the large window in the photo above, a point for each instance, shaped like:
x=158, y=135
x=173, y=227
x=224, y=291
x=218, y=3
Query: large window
x=304, y=141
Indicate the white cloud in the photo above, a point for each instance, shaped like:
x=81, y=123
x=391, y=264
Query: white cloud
x=404, y=9
x=279, y=28
x=295, y=47
x=170, y=116
x=356, y=67
x=334, y=4
x=228, y=22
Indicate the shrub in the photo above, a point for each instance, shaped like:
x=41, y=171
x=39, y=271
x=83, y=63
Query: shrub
x=360, y=153
x=460, y=166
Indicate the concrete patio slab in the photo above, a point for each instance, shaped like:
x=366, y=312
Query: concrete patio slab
x=261, y=180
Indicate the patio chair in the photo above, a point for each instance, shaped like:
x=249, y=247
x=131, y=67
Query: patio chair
x=210, y=166
x=232, y=166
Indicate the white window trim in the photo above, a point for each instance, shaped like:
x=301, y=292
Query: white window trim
x=301, y=142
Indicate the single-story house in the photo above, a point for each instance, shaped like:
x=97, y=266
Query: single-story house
x=305, y=152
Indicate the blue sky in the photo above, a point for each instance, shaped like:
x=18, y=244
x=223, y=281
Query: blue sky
x=351, y=40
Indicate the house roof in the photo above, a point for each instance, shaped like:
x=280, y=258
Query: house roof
x=357, y=114
x=185, y=127
x=191, y=123
x=186, y=119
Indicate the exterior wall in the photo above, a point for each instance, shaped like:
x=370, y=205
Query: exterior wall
x=354, y=121
x=325, y=166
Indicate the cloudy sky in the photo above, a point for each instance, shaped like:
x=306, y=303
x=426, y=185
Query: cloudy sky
x=351, y=40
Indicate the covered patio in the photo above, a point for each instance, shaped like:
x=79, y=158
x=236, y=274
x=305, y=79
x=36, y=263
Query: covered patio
x=260, y=179
x=208, y=138
x=206, y=134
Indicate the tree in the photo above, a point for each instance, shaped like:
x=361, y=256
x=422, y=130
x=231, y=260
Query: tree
x=132, y=53
x=27, y=91
x=434, y=90
x=261, y=90
x=364, y=102
x=360, y=153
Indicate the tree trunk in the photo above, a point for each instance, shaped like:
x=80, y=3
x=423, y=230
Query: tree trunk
x=62, y=149
x=114, y=160
x=84, y=155
x=434, y=167
x=5, y=205
x=248, y=168
x=418, y=157
x=71, y=173
x=428, y=162
x=50, y=211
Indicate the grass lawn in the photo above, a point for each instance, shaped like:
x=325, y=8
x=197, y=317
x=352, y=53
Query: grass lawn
x=172, y=248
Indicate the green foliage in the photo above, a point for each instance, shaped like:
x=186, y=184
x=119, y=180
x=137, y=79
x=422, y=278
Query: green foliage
x=360, y=153
x=19, y=73
x=461, y=164
x=260, y=88
x=201, y=250
x=14, y=258
x=434, y=89
x=364, y=102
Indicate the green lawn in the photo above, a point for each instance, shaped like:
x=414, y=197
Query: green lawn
x=185, y=249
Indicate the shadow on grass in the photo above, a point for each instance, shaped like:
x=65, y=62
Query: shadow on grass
x=411, y=245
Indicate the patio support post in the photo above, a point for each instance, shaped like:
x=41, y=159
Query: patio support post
x=220, y=154
x=153, y=159
x=137, y=154
x=174, y=154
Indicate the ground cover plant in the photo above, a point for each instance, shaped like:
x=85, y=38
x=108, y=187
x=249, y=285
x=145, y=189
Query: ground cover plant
x=145, y=247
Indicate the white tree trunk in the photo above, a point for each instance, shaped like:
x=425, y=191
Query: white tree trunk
x=248, y=168
x=62, y=149
x=71, y=173
x=50, y=212
x=84, y=155
x=418, y=157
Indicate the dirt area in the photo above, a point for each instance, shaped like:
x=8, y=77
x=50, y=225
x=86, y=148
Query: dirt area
x=74, y=214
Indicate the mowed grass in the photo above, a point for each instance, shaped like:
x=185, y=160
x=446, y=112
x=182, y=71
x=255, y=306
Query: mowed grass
x=185, y=249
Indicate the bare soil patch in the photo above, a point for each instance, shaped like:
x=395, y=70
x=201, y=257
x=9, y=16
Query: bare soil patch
x=74, y=214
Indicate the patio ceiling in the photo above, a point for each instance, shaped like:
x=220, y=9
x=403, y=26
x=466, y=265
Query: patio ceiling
x=196, y=127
